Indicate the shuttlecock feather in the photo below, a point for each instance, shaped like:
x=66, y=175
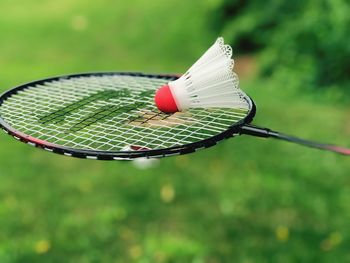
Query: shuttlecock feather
x=210, y=82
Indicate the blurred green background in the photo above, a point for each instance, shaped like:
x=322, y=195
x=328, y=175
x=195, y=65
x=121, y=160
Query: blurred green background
x=245, y=200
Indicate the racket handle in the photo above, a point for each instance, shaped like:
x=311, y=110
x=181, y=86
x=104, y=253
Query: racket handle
x=267, y=133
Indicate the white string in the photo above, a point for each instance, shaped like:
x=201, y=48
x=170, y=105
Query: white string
x=25, y=110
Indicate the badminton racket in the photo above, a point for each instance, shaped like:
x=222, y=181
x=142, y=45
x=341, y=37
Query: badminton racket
x=112, y=116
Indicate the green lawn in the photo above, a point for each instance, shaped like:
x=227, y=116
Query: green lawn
x=245, y=200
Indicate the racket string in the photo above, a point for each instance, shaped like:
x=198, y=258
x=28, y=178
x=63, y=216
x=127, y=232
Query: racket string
x=93, y=113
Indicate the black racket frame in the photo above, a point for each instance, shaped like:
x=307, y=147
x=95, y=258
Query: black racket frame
x=233, y=130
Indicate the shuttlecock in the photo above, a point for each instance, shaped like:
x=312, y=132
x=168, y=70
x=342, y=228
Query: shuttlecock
x=210, y=82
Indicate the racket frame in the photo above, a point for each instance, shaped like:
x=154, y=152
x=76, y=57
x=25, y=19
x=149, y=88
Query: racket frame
x=233, y=130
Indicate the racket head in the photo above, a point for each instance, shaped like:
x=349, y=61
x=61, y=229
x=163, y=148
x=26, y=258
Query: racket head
x=112, y=116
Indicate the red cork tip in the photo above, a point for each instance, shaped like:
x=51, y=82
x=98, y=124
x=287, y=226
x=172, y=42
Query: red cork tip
x=165, y=101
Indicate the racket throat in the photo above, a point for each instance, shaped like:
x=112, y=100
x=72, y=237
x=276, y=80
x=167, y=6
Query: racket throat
x=258, y=131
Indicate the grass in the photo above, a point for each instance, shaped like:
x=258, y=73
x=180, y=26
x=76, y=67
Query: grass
x=245, y=200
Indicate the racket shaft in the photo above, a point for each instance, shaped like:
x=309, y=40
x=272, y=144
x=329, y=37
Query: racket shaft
x=267, y=133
